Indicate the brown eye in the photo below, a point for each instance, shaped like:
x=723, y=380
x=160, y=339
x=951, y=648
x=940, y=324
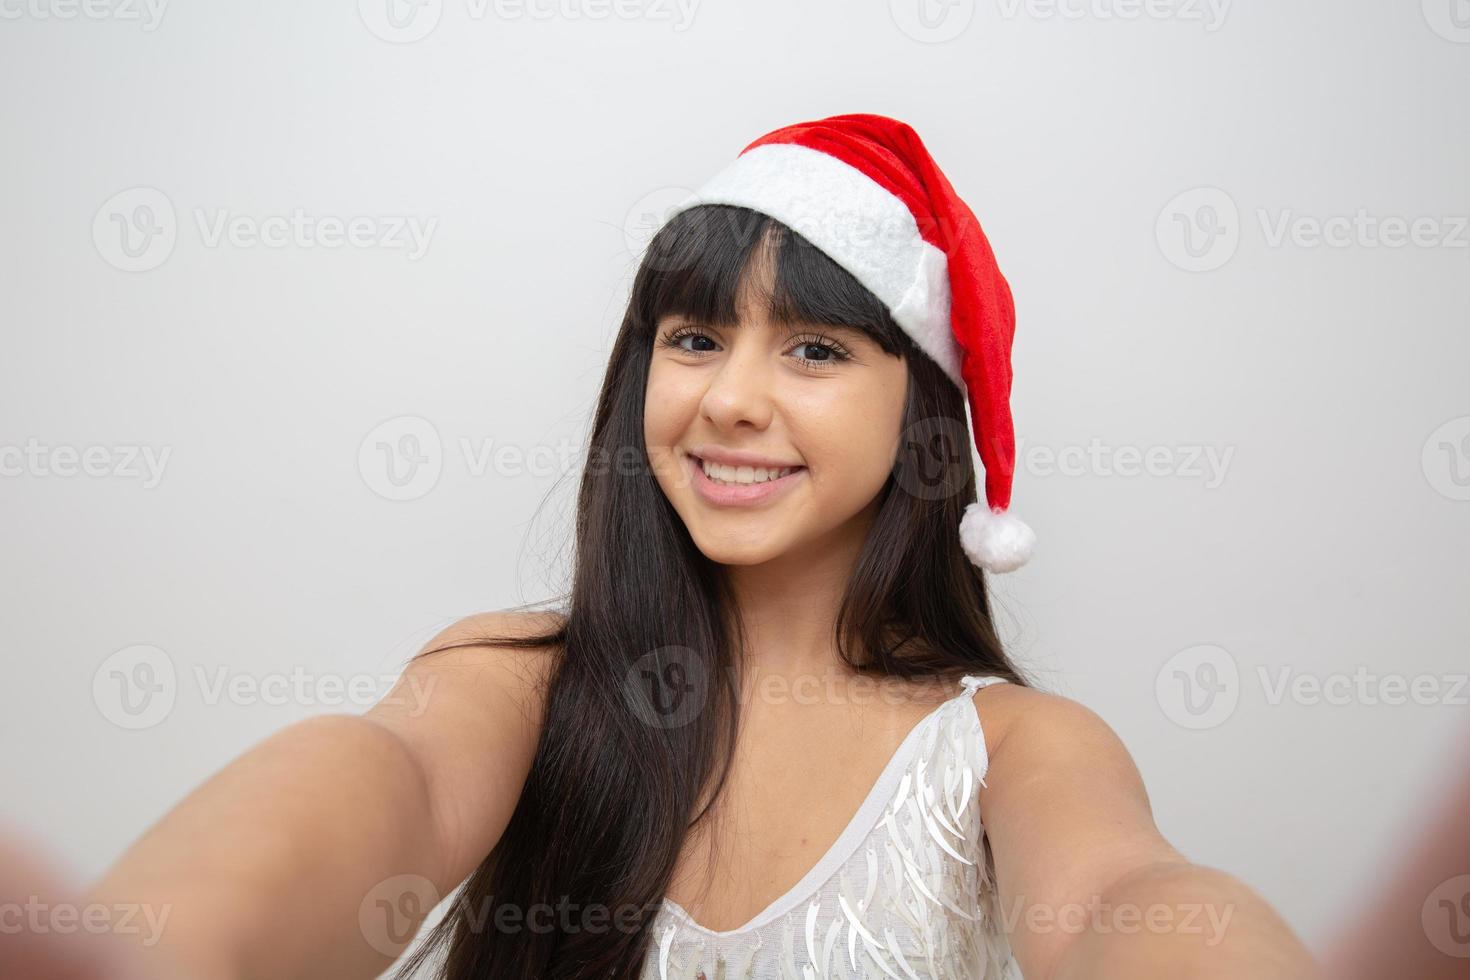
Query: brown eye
x=676, y=340
x=818, y=353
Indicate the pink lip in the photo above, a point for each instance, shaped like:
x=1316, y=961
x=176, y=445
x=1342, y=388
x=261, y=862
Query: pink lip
x=723, y=494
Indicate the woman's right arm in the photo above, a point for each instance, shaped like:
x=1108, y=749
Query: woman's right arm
x=272, y=867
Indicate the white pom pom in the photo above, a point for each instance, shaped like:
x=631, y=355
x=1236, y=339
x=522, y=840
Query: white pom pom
x=997, y=541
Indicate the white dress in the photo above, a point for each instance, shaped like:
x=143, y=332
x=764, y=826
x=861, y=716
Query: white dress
x=903, y=893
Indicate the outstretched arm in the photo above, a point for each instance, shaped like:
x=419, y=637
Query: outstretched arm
x=1089, y=889
x=259, y=871
x=273, y=867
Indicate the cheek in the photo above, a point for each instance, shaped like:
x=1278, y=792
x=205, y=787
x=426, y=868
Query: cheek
x=660, y=406
x=850, y=436
x=671, y=402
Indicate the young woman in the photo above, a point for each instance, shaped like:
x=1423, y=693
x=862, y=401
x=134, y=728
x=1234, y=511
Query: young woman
x=771, y=731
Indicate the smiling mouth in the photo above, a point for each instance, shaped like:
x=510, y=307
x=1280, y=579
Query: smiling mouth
x=722, y=474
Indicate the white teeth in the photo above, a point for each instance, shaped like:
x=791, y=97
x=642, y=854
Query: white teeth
x=742, y=474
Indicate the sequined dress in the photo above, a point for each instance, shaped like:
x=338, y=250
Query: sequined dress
x=903, y=893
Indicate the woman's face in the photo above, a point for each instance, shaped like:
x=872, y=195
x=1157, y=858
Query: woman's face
x=821, y=404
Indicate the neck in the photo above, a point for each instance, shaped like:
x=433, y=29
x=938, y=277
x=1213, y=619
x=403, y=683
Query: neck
x=789, y=604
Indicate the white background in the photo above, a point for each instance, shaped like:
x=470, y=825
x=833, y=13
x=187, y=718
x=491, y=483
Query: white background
x=1333, y=376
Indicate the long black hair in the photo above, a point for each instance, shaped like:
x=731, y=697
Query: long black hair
x=618, y=780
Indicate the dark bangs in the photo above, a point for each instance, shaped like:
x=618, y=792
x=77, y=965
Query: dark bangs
x=697, y=263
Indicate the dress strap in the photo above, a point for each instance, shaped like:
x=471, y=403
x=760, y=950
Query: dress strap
x=973, y=682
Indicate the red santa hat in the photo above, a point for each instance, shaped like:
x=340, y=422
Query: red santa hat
x=864, y=190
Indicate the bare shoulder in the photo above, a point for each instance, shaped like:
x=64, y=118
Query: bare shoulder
x=1067, y=813
x=1019, y=720
x=483, y=626
x=495, y=640
x=485, y=661
x=470, y=708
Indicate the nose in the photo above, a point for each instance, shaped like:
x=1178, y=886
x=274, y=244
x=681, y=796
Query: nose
x=739, y=392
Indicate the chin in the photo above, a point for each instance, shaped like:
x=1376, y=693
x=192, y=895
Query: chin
x=738, y=553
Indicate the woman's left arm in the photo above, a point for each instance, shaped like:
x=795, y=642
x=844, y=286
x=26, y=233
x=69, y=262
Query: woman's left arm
x=1089, y=889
